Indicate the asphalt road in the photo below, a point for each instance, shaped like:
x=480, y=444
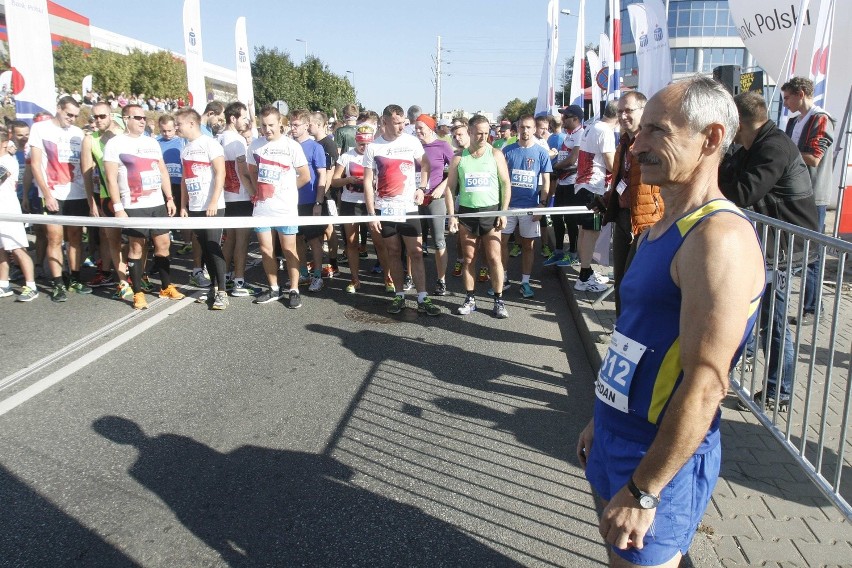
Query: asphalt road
x=333, y=435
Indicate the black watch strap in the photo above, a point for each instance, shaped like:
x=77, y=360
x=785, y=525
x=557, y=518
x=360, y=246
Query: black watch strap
x=645, y=500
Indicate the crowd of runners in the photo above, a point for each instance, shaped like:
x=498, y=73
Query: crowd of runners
x=224, y=163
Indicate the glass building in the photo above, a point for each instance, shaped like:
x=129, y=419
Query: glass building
x=702, y=35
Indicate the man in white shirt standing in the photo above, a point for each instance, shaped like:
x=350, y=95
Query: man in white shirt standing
x=137, y=182
x=203, y=196
x=55, y=147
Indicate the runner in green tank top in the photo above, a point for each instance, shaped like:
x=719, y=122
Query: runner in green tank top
x=480, y=177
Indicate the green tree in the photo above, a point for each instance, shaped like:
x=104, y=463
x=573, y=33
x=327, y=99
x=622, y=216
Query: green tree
x=110, y=71
x=158, y=73
x=569, y=70
x=70, y=65
x=516, y=107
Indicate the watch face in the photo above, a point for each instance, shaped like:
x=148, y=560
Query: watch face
x=647, y=502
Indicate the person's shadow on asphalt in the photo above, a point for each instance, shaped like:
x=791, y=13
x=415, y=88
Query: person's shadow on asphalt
x=259, y=506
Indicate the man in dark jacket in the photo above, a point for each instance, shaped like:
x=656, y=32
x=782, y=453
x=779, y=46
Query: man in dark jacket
x=768, y=175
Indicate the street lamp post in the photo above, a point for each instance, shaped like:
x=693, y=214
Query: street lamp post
x=353, y=77
x=306, y=47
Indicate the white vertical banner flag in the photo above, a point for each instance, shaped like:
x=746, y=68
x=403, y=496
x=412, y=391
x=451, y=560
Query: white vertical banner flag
x=822, y=47
x=602, y=77
x=546, y=102
x=31, y=56
x=614, y=90
x=245, y=87
x=194, y=56
x=87, y=84
x=578, y=71
x=653, y=56
x=595, y=69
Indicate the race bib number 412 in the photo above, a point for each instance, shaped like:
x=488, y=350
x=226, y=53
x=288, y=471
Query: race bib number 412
x=617, y=370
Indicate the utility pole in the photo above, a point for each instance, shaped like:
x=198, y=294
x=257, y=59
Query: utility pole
x=438, y=80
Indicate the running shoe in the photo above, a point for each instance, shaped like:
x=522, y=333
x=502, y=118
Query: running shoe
x=428, y=308
x=546, y=251
x=89, y=263
x=569, y=259
x=328, y=271
x=268, y=297
x=589, y=285
x=526, y=290
x=123, y=292
x=101, y=280
x=6, y=292
x=426, y=251
x=199, y=280
x=240, y=290
x=457, y=268
x=599, y=278
x=769, y=404
x=408, y=283
x=27, y=295
x=220, y=300
x=316, y=284
x=146, y=285
x=390, y=287
x=59, y=293
x=363, y=253
x=499, y=311
x=205, y=296
x=185, y=249
x=171, y=293
x=377, y=268
x=139, y=301
x=78, y=287
x=352, y=287
x=483, y=274
x=468, y=307
x=553, y=259
x=295, y=301
x=396, y=305
x=515, y=251
x=342, y=259
x=440, y=288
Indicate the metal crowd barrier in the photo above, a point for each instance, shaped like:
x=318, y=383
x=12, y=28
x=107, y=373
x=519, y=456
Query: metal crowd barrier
x=814, y=428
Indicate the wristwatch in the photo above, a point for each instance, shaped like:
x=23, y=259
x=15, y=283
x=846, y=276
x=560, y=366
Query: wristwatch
x=423, y=189
x=318, y=203
x=645, y=500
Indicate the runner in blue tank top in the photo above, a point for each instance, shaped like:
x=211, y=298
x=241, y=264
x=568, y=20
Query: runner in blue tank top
x=689, y=301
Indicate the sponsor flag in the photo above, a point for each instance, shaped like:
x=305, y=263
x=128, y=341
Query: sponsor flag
x=245, y=88
x=31, y=56
x=87, y=84
x=546, y=103
x=194, y=56
x=595, y=69
x=578, y=71
x=614, y=91
x=653, y=56
x=822, y=48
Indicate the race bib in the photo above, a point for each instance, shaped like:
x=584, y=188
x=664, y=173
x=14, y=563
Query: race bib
x=617, y=370
x=525, y=179
x=193, y=190
x=621, y=187
x=475, y=182
x=175, y=170
x=395, y=214
x=151, y=181
x=268, y=174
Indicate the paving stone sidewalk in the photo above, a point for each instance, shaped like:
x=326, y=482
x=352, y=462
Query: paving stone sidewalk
x=765, y=510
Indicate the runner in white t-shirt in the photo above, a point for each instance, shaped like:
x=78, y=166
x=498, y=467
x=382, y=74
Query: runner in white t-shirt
x=237, y=198
x=55, y=157
x=13, y=236
x=137, y=181
x=594, y=170
x=390, y=160
x=277, y=167
x=202, y=191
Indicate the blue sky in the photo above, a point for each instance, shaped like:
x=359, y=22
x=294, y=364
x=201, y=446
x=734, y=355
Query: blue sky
x=494, y=49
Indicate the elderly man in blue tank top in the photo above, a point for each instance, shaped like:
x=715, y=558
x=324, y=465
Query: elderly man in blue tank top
x=689, y=299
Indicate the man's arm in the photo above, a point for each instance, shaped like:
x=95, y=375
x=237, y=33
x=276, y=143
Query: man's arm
x=820, y=139
x=87, y=164
x=112, y=188
x=243, y=173
x=451, y=192
x=218, y=165
x=570, y=161
x=166, y=186
x=609, y=161
x=36, y=157
x=303, y=175
x=719, y=270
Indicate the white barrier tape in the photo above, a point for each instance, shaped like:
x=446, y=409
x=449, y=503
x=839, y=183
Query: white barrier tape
x=178, y=223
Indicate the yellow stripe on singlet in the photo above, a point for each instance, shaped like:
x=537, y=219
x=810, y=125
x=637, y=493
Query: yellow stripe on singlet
x=670, y=369
x=687, y=222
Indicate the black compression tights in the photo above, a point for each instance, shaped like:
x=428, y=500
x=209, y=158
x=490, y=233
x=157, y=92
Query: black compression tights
x=211, y=253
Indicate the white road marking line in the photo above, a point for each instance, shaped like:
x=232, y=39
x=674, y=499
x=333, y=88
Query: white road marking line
x=26, y=394
x=22, y=374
